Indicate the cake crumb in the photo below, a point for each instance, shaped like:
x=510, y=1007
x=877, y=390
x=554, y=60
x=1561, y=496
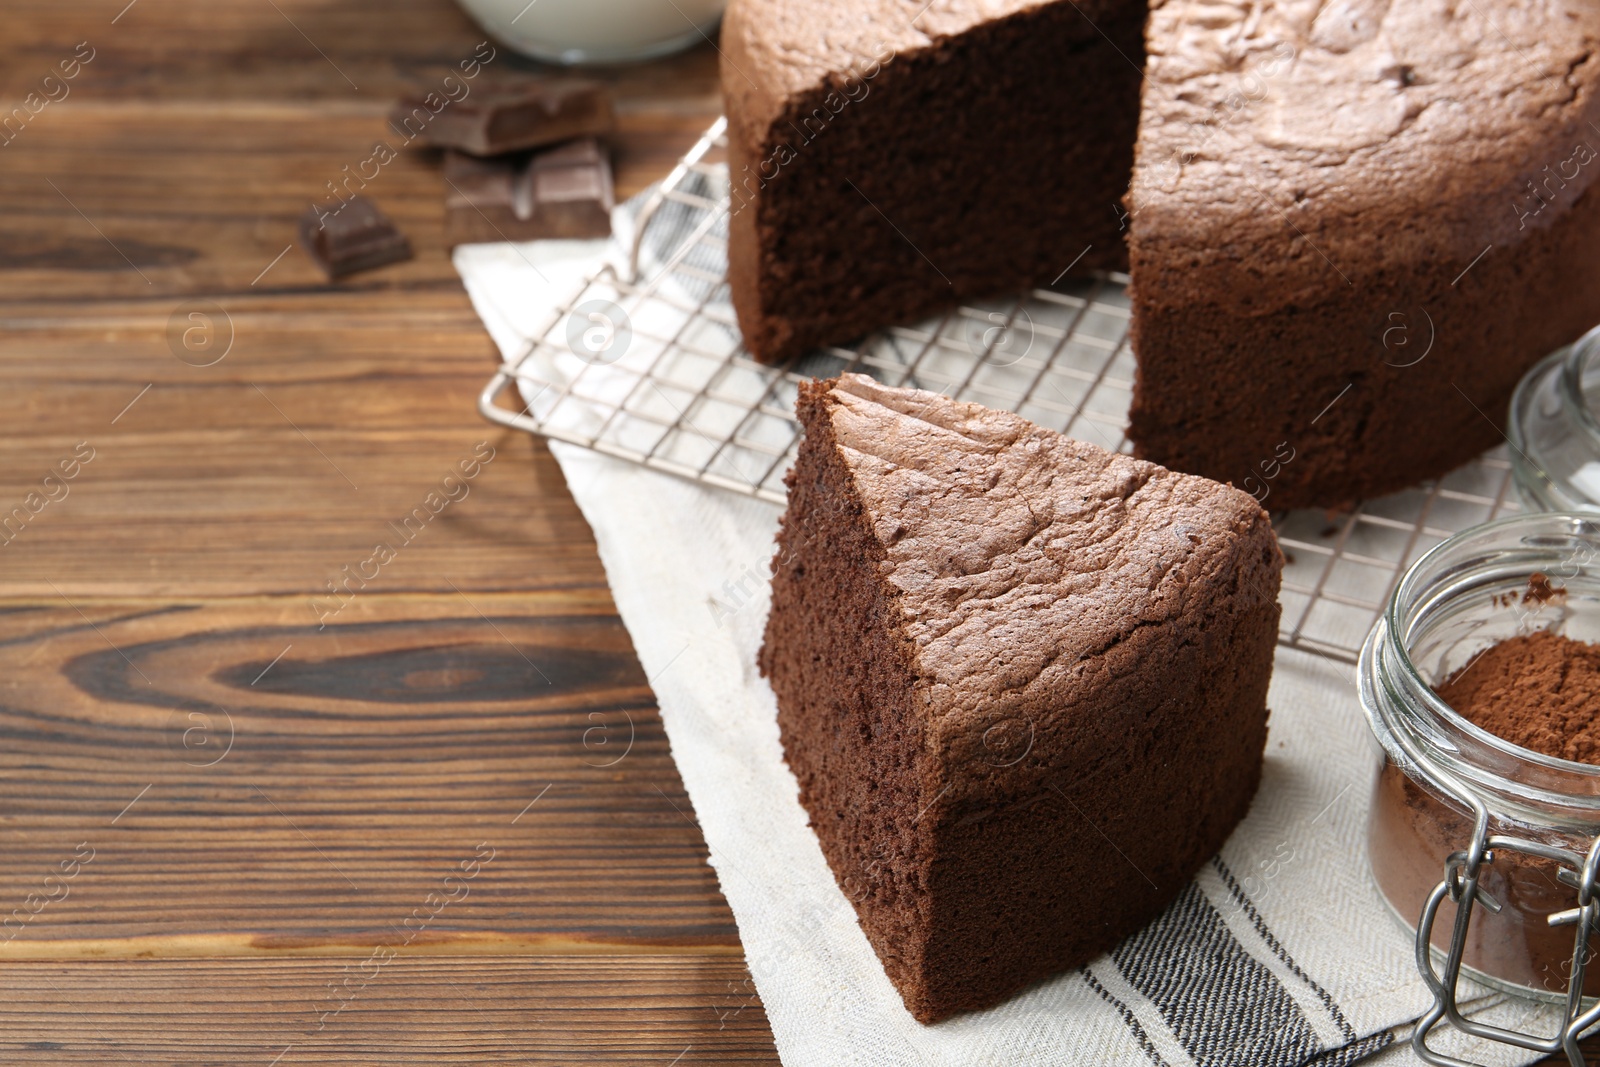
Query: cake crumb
x=1540, y=590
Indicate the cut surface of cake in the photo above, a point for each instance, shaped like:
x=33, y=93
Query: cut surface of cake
x=1353, y=228
x=890, y=157
x=1021, y=681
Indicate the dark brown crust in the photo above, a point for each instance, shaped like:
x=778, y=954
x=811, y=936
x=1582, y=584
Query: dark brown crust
x=1009, y=911
x=978, y=862
x=1220, y=393
x=912, y=187
x=1338, y=246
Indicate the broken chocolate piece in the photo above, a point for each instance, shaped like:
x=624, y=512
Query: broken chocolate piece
x=508, y=119
x=353, y=237
x=564, y=193
x=571, y=188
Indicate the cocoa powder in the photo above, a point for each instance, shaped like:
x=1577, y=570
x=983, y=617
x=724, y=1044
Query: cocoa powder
x=1541, y=591
x=1540, y=691
x=1411, y=831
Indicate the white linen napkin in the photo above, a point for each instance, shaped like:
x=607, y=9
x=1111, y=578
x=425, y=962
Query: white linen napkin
x=1280, y=953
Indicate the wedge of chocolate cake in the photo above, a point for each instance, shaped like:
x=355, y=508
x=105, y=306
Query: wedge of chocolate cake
x=1021, y=681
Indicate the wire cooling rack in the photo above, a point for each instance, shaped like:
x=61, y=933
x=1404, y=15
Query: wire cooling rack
x=644, y=363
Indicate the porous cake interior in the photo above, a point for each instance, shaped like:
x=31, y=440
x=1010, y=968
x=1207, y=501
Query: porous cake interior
x=852, y=736
x=932, y=187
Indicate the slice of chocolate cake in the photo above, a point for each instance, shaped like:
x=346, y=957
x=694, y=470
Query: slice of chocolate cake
x=1021, y=681
x=890, y=157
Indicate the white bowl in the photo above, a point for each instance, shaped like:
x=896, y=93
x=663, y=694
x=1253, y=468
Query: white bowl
x=596, y=31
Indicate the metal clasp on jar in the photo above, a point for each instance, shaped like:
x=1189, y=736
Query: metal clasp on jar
x=1460, y=885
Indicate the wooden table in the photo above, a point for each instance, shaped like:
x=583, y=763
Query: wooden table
x=445, y=826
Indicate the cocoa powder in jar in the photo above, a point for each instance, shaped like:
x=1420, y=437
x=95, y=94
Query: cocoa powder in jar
x=1540, y=691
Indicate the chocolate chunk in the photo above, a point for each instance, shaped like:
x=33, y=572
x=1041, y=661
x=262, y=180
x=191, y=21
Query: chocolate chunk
x=353, y=237
x=564, y=192
x=508, y=119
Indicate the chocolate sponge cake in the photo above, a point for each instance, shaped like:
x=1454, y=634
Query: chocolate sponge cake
x=1021, y=681
x=1351, y=226
x=889, y=157
x=1353, y=230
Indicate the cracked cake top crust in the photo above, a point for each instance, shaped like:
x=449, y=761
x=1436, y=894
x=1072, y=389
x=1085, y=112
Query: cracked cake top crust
x=1022, y=560
x=1392, y=136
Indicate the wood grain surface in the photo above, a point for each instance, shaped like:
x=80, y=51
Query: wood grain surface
x=437, y=825
x=646, y=1010
x=226, y=792
x=234, y=774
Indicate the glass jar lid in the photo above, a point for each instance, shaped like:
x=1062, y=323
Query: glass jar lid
x=1555, y=429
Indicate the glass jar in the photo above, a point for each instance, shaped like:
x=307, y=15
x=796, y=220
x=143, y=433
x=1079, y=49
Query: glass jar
x=1554, y=429
x=1488, y=851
